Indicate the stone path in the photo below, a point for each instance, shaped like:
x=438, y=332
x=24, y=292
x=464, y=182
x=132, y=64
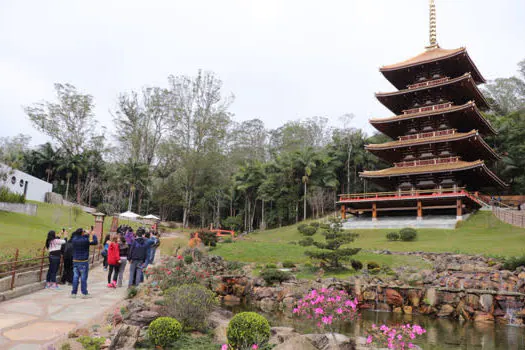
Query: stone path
x=29, y=322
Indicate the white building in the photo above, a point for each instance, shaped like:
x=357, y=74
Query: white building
x=19, y=182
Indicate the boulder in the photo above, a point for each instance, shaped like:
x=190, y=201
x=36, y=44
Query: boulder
x=445, y=310
x=232, y=299
x=472, y=300
x=288, y=303
x=414, y=297
x=486, y=301
x=298, y=342
x=126, y=337
x=327, y=341
x=282, y=334
x=142, y=318
x=267, y=305
x=483, y=317
x=431, y=297
x=369, y=295
x=393, y=297
x=407, y=310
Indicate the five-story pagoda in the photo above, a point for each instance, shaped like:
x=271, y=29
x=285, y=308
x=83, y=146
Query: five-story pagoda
x=438, y=153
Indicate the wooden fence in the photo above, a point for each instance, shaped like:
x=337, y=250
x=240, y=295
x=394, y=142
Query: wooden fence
x=18, y=265
x=510, y=216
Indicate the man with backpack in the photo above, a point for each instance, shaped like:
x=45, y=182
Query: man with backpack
x=67, y=254
x=138, y=254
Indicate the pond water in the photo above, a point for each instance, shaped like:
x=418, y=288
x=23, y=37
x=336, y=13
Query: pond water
x=442, y=334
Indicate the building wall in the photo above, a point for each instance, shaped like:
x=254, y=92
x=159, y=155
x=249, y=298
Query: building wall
x=36, y=188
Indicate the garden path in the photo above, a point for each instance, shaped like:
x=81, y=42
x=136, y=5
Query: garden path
x=34, y=320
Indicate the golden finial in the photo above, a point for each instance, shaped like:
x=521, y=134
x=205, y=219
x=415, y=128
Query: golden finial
x=432, y=32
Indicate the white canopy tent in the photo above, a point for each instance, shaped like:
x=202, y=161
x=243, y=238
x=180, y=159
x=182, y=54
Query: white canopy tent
x=129, y=215
x=151, y=217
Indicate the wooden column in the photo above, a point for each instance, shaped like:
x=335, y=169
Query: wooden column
x=343, y=212
x=459, y=209
x=374, y=211
x=419, y=210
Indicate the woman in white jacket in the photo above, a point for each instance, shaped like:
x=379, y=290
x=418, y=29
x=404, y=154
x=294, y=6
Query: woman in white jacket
x=53, y=245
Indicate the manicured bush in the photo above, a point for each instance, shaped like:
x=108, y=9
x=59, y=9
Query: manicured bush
x=208, y=238
x=188, y=259
x=288, y=264
x=233, y=223
x=246, y=329
x=374, y=271
x=324, y=226
x=407, y=234
x=89, y=343
x=132, y=292
x=227, y=240
x=514, y=262
x=308, y=241
x=300, y=227
x=372, y=265
x=190, y=304
x=356, y=264
x=271, y=266
x=308, y=230
x=272, y=276
x=164, y=331
x=393, y=236
x=196, y=253
x=315, y=224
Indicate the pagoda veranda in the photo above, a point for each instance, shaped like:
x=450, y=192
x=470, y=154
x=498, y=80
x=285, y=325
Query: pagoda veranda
x=438, y=153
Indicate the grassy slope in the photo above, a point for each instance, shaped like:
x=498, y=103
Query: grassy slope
x=18, y=230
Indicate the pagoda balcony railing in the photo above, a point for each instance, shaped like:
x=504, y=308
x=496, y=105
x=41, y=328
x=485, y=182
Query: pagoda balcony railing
x=428, y=108
x=408, y=193
x=433, y=161
x=428, y=83
x=427, y=134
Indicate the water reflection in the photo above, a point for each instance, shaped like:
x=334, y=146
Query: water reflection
x=442, y=334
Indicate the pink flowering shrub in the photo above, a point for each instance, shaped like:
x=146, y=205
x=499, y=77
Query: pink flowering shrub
x=327, y=306
x=398, y=338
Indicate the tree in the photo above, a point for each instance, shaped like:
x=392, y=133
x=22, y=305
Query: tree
x=331, y=252
x=135, y=175
x=69, y=121
x=306, y=160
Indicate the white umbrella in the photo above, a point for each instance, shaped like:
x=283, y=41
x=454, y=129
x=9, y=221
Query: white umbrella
x=151, y=216
x=129, y=215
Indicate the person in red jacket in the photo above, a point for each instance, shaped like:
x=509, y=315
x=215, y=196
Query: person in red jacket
x=113, y=261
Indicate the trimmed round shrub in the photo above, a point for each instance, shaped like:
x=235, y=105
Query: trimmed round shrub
x=308, y=241
x=300, y=227
x=315, y=224
x=356, y=265
x=164, y=331
x=373, y=265
x=324, y=226
x=308, y=230
x=271, y=276
x=393, y=236
x=246, y=329
x=188, y=259
x=208, y=238
x=190, y=304
x=407, y=234
x=288, y=264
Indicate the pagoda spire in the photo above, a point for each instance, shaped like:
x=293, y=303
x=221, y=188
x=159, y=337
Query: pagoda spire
x=432, y=27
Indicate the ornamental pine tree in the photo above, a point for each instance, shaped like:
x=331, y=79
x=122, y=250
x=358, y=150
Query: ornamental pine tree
x=331, y=253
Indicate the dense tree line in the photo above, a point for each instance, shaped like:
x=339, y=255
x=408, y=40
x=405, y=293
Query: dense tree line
x=177, y=152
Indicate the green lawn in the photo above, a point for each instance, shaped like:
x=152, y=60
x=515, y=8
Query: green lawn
x=480, y=234
x=29, y=232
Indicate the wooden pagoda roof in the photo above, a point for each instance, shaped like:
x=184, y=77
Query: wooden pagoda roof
x=459, y=166
x=463, y=140
x=468, y=117
x=457, y=90
x=456, y=61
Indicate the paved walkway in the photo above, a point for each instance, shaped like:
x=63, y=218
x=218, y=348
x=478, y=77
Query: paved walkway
x=29, y=322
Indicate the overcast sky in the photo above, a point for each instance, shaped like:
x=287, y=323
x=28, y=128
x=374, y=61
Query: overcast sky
x=282, y=59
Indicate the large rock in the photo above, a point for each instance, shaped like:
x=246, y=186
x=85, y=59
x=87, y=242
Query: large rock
x=483, y=317
x=393, y=297
x=267, y=305
x=126, y=338
x=486, y=301
x=282, y=334
x=327, y=341
x=445, y=310
x=431, y=297
x=472, y=300
x=295, y=343
x=414, y=297
x=219, y=320
x=142, y=318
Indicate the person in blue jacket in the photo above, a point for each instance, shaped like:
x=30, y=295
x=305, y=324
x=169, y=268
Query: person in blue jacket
x=137, y=256
x=81, y=242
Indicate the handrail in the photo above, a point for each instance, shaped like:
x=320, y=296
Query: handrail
x=428, y=108
x=510, y=216
x=433, y=161
x=413, y=193
x=427, y=134
x=428, y=83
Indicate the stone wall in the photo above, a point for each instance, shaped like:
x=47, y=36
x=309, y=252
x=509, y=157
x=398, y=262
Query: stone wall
x=27, y=209
x=55, y=198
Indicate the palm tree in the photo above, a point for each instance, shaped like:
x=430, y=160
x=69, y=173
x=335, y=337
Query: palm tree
x=48, y=159
x=136, y=175
x=73, y=165
x=306, y=160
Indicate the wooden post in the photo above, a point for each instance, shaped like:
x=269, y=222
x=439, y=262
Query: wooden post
x=459, y=209
x=419, y=210
x=13, y=268
x=42, y=264
x=343, y=212
x=374, y=211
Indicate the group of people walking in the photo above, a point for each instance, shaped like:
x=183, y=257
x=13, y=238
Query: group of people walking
x=138, y=248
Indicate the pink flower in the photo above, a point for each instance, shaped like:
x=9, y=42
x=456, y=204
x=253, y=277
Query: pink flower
x=369, y=339
x=410, y=345
x=224, y=347
x=339, y=311
x=169, y=272
x=319, y=311
x=255, y=347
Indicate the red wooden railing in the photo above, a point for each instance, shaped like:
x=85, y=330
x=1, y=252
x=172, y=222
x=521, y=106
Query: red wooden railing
x=403, y=194
x=38, y=263
x=427, y=134
x=428, y=108
x=428, y=83
x=433, y=161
